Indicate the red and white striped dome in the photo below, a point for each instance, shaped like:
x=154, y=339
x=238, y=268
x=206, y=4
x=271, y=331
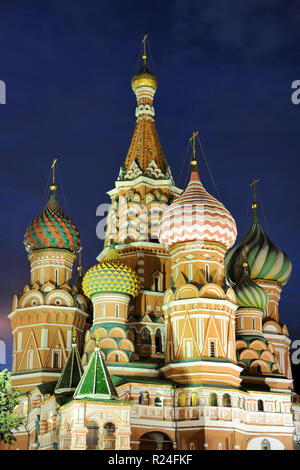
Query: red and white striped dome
x=196, y=215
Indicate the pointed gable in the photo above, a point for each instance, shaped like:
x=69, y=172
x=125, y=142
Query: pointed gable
x=96, y=381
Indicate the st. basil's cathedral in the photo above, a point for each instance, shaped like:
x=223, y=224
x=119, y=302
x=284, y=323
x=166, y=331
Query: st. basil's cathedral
x=173, y=340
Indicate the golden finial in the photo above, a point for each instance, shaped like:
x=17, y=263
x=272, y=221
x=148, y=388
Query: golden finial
x=97, y=338
x=144, y=56
x=53, y=186
x=79, y=268
x=74, y=334
x=194, y=159
x=254, y=182
x=245, y=263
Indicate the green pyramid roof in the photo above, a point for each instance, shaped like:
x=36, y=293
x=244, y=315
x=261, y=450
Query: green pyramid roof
x=96, y=381
x=71, y=373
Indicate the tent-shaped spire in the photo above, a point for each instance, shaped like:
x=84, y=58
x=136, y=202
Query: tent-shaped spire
x=96, y=381
x=71, y=373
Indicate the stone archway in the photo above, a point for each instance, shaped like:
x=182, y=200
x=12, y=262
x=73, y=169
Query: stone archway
x=155, y=441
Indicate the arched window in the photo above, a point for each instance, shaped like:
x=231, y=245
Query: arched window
x=213, y=399
x=158, y=342
x=146, y=337
x=181, y=399
x=194, y=399
x=92, y=435
x=117, y=358
x=144, y=398
x=265, y=445
x=260, y=405
x=156, y=284
x=158, y=401
x=226, y=400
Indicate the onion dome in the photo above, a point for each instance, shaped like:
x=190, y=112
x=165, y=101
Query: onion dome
x=144, y=78
x=111, y=276
x=196, y=215
x=266, y=261
x=52, y=228
x=249, y=294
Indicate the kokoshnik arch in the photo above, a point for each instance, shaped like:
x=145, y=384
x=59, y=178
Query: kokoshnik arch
x=173, y=340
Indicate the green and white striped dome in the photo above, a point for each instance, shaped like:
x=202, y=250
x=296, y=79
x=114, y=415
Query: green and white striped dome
x=265, y=260
x=249, y=294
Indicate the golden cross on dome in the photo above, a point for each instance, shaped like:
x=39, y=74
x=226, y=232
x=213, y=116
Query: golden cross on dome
x=144, y=57
x=53, y=186
x=254, y=182
x=194, y=160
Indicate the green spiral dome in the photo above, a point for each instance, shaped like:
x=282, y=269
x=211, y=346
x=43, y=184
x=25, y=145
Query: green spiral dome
x=111, y=276
x=265, y=260
x=249, y=294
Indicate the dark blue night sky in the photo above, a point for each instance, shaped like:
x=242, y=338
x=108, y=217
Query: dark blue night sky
x=224, y=67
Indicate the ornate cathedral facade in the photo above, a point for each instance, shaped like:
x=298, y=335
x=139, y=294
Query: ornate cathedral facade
x=173, y=340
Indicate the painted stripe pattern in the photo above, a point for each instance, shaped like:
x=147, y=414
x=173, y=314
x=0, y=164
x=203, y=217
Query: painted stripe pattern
x=249, y=294
x=265, y=260
x=52, y=228
x=196, y=215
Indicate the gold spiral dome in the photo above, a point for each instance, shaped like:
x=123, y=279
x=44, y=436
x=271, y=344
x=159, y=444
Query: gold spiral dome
x=111, y=276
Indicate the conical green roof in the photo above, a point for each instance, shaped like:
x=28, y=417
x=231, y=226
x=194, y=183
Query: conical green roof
x=71, y=373
x=96, y=381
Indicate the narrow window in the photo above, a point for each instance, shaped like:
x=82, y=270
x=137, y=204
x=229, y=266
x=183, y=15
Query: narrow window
x=30, y=360
x=190, y=272
x=19, y=347
x=56, y=276
x=253, y=323
x=265, y=445
x=103, y=310
x=42, y=276
x=212, y=349
x=56, y=360
x=117, y=310
x=188, y=348
x=156, y=283
x=206, y=272
x=44, y=338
